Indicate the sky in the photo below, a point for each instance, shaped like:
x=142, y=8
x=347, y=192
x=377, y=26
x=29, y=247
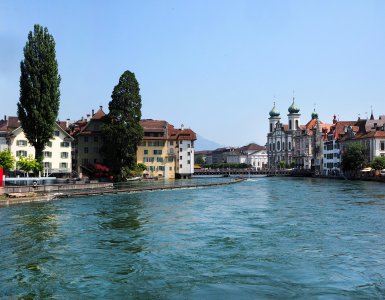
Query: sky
x=214, y=66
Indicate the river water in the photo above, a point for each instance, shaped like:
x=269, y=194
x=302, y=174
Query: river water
x=265, y=238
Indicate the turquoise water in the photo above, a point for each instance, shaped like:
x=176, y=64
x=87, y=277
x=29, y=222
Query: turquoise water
x=266, y=238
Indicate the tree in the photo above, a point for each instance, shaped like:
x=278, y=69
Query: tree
x=378, y=163
x=282, y=164
x=7, y=161
x=38, y=105
x=29, y=164
x=122, y=131
x=353, y=159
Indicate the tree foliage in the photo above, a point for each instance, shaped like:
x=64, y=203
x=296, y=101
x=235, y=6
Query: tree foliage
x=378, y=163
x=7, y=161
x=38, y=104
x=353, y=159
x=29, y=164
x=122, y=131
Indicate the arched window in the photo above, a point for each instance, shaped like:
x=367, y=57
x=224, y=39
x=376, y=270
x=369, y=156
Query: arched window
x=283, y=145
x=289, y=146
x=296, y=124
x=290, y=125
x=278, y=145
x=271, y=127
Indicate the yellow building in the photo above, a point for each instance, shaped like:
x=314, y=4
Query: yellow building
x=163, y=152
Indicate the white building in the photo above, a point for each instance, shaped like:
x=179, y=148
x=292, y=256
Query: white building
x=280, y=136
x=184, y=138
x=57, y=153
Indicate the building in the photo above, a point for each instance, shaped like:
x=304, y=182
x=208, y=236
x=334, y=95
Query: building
x=57, y=153
x=166, y=151
x=308, y=144
x=86, y=148
x=280, y=137
x=256, y=155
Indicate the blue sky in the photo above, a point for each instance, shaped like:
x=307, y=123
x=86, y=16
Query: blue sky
x=214, y=66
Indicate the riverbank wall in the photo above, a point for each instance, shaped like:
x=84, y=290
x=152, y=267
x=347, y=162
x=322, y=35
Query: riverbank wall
x=43, y=197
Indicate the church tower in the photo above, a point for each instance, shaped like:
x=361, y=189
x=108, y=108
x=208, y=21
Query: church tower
x=294, y=116
x=274, y=118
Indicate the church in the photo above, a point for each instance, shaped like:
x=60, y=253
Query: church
x=280, y=139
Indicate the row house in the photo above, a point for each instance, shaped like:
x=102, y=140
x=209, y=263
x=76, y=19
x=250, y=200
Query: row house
x=57, y=152
x=367, y=132
x=166, y=151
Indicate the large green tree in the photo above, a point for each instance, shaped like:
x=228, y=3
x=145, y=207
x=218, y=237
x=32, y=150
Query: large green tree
x=38, y=105
x=122, y=131
x=353, y=159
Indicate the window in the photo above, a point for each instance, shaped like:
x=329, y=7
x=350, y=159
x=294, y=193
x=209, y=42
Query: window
x=64, y=144
x=180, y=157
x=188, y=146
x=85, y=161
x=170, y=159
x=21, y=143
x=171, y=143
x=283, y=145
x=21, y=153
x=157, y=152
x=290, y=127
x=296, y=124
x=85, y=149
x=271, y=127
x=170, y=168
x=64, y=155
x=382, y=146
x=180, y=166
x=289, y=145
x=188, y=154
x=278, y=146
x=56, y=133
x=148, y=159
x=159, y=159
x=47, y=165
x=188, y=162
x=180, y=149
x=49, y=144
x=180, y=142
x=161, y=168
x=63, y=165
x=47, y=154
x=86, y=139
x=145, y=151
x=96, y=139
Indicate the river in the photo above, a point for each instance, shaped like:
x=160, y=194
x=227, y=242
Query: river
x=264, y=238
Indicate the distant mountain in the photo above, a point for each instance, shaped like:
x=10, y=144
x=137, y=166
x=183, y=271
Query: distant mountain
x=204, y=144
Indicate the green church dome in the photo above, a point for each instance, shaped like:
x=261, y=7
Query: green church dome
x=314, y=115
x=274, y=112
x=293, y=109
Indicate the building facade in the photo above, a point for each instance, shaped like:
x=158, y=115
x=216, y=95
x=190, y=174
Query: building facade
x=57, y=153
x=280, y=138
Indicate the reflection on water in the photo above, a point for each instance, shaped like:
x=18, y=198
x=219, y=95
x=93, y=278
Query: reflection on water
x=263, y=238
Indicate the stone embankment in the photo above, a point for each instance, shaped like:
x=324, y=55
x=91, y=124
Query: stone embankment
x=28, y=197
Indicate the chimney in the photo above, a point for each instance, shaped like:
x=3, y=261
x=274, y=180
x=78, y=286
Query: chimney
x=93, y=112
x=67, y=123
x=101, y=107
